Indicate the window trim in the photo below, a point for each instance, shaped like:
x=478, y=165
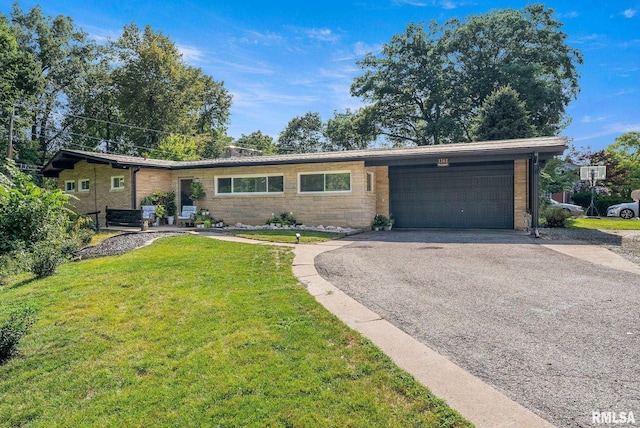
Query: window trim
x=84, y=180
x=232, y=193
x=316, y=192
x=117, y=188
x=373, y=182
x=66, y=189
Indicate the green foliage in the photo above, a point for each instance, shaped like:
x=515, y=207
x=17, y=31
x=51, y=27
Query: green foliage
x=256, y=140
x=380, y=220
x=351, y=130
x=197, y=192
x=303, y=135
x=555, y=217
x=428, y=85
x=170, y=204
x=284, y=219
x=626, y=153
x=502, y=116
x=600, y=201
x=14, y=324
x=175, y=147
x=555, y=177
x=34, y=221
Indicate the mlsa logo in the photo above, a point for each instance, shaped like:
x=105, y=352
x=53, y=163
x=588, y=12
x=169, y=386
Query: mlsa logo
x=613, y=418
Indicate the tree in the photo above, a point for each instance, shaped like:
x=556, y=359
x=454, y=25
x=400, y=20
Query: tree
x=157, y=92
x=502, y=116
x=257, y=140
x=408, y=89
x=176, y=148
x=626, y=152
x=63, y=53
x=427, y=86
x=522, y=48
x=351, y=130
x=303, y=135
x=556, y=178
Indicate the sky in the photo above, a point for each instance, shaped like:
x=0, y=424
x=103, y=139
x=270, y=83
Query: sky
x=282, y=59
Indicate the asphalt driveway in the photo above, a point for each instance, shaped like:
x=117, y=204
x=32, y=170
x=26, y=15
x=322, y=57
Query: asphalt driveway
x=560, y=336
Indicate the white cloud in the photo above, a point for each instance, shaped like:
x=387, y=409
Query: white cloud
x=589, y=119
x=190, y=54
x=611, y=129
x=417, y=3
x=630, y=13
x=258, y=38
x=322, y=34
x=254, y=68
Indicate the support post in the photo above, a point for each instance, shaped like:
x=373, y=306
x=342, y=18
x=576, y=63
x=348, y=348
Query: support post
x=534, y=170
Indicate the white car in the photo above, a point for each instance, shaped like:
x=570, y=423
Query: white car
x=627, y=210
x=575, y=210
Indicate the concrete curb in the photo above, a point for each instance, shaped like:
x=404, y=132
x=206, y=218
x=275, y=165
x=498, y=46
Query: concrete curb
x=477, y=401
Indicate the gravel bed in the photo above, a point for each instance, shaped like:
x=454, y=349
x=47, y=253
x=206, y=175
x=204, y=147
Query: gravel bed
x=120, y=244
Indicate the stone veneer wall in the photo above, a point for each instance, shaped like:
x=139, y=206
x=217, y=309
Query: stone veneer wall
x=520, y=194
x=351, y=209
x=100, y=194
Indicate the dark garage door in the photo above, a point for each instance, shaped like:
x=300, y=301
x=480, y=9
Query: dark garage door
x=452, y=197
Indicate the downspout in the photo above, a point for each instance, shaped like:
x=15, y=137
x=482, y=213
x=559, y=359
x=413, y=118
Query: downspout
x=534, y=172
x=134, y=171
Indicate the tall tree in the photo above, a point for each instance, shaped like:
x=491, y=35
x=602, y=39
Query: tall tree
x=351, y=130
x=303, y=134
x=63, y=53
x=427, y=86
x=159, y=93
x=626, y=152
x=523, y=48
x=407, y=88
x=20, y=81
x=502, y=116
x=257, y=140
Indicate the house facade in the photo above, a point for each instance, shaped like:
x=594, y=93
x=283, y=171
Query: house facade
x=471, y=185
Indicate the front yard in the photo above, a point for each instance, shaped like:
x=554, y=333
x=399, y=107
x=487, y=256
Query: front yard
x=191, y=331
x=603, y=223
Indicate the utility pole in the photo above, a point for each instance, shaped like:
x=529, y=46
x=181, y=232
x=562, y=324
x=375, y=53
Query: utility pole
x=10, y=148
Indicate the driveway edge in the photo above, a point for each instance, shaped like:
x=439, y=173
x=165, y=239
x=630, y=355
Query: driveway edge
x=477, y=401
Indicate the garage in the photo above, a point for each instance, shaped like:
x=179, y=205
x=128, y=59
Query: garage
x=479, y=196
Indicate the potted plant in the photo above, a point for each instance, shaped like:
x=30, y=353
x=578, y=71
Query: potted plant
x=160, y=210
x=207, y=224
x=171, y=207
x=379, y=222
x=197, y=193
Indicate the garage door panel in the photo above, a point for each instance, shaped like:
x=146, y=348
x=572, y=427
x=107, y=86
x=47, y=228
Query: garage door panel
x=464, y=197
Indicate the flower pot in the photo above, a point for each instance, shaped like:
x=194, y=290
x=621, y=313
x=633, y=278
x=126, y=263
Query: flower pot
x=170, y=220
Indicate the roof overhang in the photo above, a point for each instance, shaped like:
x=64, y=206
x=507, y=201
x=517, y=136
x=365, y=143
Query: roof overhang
x=488, y=151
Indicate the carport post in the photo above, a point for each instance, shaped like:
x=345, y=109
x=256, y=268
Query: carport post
x=534, y=172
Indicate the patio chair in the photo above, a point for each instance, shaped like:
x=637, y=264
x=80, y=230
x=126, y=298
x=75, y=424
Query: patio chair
x=187, y=216
x=149, y=213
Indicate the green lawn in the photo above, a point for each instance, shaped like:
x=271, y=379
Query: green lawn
x=191, y=331
x=605, y=223
x=272, y=235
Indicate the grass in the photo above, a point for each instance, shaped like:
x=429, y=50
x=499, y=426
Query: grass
x=101, y=236
x=288, y=236
x=191, y=331
x=604, y=223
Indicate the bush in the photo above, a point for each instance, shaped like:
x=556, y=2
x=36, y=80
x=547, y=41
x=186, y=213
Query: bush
x=45, y=258
x=284, y=219
x=555, y=217
x=15, y=324
x=600, y=201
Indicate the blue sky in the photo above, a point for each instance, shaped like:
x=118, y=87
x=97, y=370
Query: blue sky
x=281, y=59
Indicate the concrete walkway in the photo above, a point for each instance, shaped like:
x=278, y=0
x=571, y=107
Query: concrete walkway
x=478, y=402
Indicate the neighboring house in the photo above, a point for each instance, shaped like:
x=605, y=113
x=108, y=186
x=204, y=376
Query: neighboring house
x=471, y=185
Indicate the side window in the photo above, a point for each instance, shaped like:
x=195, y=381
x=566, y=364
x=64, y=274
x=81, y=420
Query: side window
x=83, y=185
x=117, y=183
x=70, y=186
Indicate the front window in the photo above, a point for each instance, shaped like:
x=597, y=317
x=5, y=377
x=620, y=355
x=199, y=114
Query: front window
x=370, y=181
x=117, y=183
x=326, y=182
x=70, y=186
x=253, y=184
x=83, y=185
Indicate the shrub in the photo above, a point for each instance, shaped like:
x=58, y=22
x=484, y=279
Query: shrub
x=380, y=221
x=284, y=219
x=45, y=258
x=15, y=324
x=555, y=217
x=600, y=201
